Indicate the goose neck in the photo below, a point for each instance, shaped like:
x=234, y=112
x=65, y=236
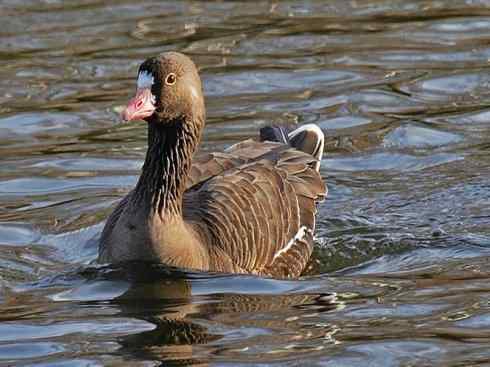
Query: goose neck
x=171, y=146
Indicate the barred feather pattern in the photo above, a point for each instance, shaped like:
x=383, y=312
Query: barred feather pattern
x=260, y=215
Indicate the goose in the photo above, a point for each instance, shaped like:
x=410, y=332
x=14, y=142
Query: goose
x=249, y=209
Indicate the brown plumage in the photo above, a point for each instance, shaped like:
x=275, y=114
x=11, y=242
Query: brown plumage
x=250, y=209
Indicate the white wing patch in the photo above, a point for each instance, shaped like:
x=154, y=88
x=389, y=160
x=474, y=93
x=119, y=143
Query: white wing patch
x=145, y=80
x=298, y=236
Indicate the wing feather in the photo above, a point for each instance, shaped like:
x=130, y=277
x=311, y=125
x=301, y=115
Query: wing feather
x=259, y=209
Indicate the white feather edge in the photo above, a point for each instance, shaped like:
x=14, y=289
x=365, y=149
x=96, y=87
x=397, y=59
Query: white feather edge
x=308, y=127
x=321, y=139
x=298, y=236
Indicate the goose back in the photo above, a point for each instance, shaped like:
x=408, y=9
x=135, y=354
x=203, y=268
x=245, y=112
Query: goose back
x=258, y=213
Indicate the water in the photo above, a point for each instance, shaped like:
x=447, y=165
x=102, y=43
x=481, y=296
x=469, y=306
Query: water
x=401, y=269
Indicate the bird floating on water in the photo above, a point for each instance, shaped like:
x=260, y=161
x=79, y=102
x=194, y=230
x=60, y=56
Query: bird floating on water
x=249, y=209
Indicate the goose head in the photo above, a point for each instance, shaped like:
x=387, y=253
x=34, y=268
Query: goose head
x=168, y=89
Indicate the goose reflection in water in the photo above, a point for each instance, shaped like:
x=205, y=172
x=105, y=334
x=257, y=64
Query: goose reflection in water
x=183, y=311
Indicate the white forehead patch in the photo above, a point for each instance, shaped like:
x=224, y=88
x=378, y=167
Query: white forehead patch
x=145, y=80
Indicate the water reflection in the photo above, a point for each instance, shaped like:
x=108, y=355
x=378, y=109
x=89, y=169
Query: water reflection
x=178, y=313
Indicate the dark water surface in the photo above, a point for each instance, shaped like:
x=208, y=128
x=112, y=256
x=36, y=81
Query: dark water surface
x=402, y=270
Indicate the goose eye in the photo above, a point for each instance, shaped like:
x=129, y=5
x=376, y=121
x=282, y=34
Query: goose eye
x=170, y=79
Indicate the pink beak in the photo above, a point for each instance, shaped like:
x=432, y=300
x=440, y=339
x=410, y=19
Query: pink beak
x=139, y=107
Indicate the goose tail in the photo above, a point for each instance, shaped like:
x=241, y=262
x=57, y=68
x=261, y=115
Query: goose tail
x=308, y=138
